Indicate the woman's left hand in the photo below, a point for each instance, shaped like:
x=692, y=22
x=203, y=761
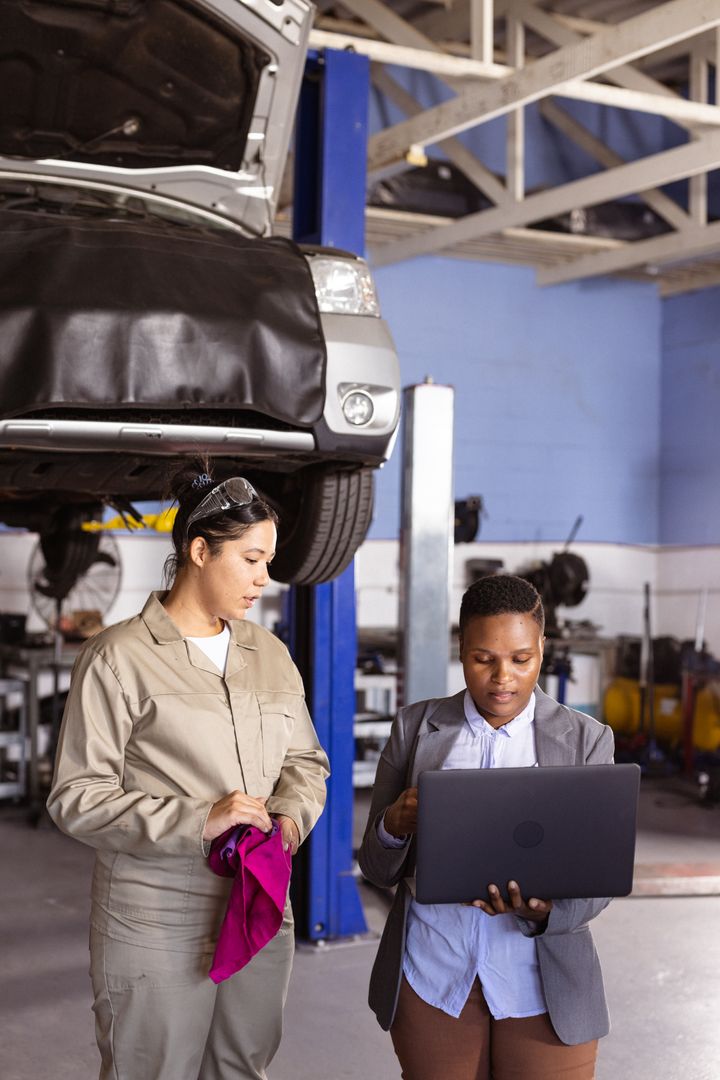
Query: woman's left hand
x=535, y=910
x=290, y=834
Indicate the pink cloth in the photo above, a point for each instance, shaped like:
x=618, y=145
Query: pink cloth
x=254, y=912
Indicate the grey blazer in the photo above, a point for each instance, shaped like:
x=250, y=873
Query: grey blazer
x=421, y=739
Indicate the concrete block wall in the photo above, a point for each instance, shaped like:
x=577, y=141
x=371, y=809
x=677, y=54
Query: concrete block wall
x=557, y=404
x=615, y=596
x=677, y=577
x=614, y=601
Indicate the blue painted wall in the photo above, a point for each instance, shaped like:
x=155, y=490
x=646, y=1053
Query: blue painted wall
x=557, y=396
x=690, y=419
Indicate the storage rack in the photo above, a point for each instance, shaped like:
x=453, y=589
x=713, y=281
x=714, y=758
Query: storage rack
x=13, y=738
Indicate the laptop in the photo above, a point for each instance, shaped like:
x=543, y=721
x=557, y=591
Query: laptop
x=560, y=832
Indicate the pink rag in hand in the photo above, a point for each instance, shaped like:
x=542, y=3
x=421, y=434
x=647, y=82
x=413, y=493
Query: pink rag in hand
x=254, y=914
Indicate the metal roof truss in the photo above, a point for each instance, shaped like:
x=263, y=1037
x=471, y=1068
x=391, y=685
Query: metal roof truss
x=499, y=56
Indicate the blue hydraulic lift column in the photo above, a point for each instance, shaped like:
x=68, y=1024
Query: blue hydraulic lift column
x=329, y=210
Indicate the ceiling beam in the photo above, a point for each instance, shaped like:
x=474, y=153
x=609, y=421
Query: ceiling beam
x=595, y=148
x=695, y=241
x=672, y=52
x=699, y=91
x=592, y=56
x=390, y=25
x=688, y=113
x=400, y=32
x=459, y=154
x=384, y=52
x=553, y=28
x=693, y=115
x=515, y=137
x=637, y=176
x=482, y=30
x=702, y=279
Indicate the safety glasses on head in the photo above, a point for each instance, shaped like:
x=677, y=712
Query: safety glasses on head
x=237, y=491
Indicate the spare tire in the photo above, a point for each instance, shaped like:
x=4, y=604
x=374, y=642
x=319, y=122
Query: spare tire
x=320, y=533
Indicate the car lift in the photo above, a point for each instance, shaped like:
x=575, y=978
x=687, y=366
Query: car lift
x=329, y=210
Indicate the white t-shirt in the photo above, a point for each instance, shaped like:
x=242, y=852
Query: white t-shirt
x=215, y=647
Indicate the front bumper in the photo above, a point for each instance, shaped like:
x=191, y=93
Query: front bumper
x=360, y=356
x=156, y=439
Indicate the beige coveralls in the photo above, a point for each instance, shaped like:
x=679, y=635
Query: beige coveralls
x=152, y=736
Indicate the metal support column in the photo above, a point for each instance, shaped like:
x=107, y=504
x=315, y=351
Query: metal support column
x=329, y=209
x=426, y=535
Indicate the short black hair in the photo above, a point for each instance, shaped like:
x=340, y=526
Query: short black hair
x=501, y=594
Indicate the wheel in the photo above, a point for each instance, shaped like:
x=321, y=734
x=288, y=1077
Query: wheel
x=320, y=534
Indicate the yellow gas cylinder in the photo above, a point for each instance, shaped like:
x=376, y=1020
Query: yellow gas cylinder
x=621, y=705
x=706, y=719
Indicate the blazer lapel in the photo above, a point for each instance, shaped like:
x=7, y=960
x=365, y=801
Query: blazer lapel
x=555, y=741
x=437, y=734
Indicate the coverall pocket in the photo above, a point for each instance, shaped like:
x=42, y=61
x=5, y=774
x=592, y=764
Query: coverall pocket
x=277, y=720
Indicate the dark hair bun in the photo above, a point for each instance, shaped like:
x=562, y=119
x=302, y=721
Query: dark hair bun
x=191, y=482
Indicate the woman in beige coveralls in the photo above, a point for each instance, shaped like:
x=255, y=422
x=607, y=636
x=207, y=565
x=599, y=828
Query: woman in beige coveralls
x=180, y=723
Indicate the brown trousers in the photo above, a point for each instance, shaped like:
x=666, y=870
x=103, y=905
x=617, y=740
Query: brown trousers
x=431, y=1045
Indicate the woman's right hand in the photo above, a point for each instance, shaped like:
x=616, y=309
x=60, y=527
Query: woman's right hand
x=401, y=816
x=237, y=808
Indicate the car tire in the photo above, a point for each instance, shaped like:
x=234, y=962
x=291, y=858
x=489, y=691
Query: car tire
x=328, y=525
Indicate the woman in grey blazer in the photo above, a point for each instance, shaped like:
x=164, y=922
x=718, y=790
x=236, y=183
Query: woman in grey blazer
x=488, y=990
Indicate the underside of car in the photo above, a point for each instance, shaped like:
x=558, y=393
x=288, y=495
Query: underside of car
x=149, y=341
x=146, y=313
x=323, y=514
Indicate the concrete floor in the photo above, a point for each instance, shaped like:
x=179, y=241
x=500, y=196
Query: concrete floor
x=660, y=955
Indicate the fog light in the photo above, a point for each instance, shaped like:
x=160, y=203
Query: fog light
x=358, y=408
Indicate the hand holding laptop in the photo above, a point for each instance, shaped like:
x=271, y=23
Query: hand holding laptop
x=560, y=831
x=400, y=820
x=401, y=816
x=535, y=910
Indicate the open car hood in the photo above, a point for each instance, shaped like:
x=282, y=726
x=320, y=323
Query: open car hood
x=187, y=100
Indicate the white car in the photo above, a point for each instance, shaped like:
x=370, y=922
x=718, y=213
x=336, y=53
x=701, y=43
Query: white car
x=146, y=310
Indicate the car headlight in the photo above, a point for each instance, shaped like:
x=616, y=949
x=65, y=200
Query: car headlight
x=343, y=286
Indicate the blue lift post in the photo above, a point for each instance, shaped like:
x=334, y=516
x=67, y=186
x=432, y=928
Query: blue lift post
x=329, y=210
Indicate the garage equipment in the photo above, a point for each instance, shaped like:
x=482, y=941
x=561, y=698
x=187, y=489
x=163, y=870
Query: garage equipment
x=29, y=665
x=73, y=584
x=562, y=582
x=468, y=515
x=329, y=209
x=73, y=579
x=686, y=715
x=681, y=709
x=691, y=676
x=13, y=738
